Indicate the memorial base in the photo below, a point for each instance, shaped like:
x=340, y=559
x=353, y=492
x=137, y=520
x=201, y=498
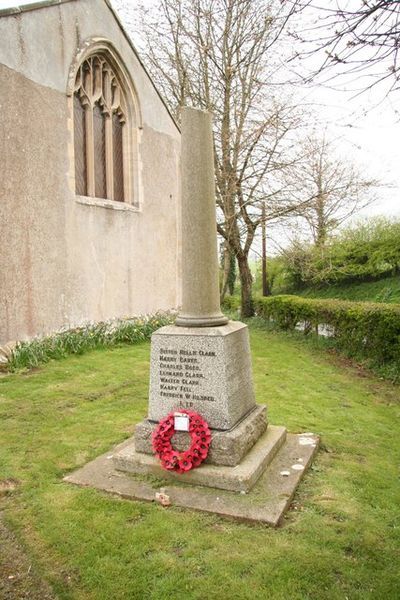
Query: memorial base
x=236, y=479
x=266, y=503
x=228, y=448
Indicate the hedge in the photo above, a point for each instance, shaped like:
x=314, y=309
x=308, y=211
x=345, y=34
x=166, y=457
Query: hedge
x=231, y=303
x=361, y=329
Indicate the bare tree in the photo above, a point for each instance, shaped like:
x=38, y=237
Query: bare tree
x=329, y=189
x=218, y=55
x=358, y=37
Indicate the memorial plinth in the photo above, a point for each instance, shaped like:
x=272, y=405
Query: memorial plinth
x=207, y=369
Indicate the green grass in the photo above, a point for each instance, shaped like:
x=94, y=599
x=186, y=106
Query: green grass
x=382, y=290
x=342, y=541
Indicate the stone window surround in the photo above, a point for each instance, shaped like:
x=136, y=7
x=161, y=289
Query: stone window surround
x=132, y=174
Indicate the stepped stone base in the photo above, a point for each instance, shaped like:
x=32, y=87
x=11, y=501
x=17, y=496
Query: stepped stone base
x=238, y=479
x=266, y=503
x=228, y=448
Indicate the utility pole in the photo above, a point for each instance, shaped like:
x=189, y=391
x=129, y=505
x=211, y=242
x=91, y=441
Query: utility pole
x=265, y=287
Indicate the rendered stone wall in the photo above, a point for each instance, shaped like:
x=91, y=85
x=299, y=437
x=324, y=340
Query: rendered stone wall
x=62, y=262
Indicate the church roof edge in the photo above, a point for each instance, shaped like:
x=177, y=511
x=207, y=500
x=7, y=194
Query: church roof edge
x=14, y=10
x=24, y=7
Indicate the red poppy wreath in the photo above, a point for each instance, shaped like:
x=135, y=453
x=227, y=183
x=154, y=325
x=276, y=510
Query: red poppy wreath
x=181, y=462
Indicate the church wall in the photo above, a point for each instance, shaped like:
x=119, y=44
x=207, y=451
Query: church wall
x=64, y=262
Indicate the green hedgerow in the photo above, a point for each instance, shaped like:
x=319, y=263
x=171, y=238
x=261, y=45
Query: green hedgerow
x=362, y=329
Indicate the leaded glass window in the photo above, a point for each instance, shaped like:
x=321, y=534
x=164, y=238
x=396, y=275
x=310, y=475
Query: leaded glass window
x=99, y=131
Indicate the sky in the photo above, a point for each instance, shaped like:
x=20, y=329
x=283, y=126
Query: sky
x=366, y=126
x=8, y=3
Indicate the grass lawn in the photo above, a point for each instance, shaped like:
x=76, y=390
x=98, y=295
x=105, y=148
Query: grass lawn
x=341, y=539
x=382, y=290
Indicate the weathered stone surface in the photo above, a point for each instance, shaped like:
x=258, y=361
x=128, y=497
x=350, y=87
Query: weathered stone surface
x=66, y=260
x=227, y=447
x=237, y=479
x=207, y=370
x=266, y=503
x=200, y=285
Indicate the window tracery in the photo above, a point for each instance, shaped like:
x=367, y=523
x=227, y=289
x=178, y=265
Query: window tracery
x=100, y=138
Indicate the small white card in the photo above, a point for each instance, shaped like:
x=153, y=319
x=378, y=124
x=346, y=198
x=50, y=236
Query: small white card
x=181, y=422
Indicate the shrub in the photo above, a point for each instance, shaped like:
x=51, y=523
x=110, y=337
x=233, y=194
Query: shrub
x=231, y=303
x=365, y=251
x=82, y=339
x=361, y=329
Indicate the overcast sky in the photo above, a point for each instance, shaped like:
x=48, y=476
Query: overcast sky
x=8, y=3
x=368, y=127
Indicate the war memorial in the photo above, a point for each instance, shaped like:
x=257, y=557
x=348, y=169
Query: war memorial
x=205, y=436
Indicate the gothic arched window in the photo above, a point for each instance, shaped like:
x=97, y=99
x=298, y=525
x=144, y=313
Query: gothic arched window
x=100, y=137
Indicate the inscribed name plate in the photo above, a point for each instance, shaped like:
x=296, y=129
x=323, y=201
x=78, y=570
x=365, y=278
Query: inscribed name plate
x=207, y=370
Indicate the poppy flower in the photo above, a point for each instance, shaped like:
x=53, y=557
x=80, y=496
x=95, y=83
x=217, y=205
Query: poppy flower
x=185, y=464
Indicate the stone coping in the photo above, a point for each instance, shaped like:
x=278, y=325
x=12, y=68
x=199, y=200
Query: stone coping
x=228, y=328
x=16, y=9
x=105, y=203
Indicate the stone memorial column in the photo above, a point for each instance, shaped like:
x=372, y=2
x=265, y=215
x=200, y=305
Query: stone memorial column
x=200, y=281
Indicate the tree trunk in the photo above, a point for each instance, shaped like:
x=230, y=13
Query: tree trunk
x=266, y=291
x=246, y=280
x=226, y=270
x=232, y=273
x=321, y=230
